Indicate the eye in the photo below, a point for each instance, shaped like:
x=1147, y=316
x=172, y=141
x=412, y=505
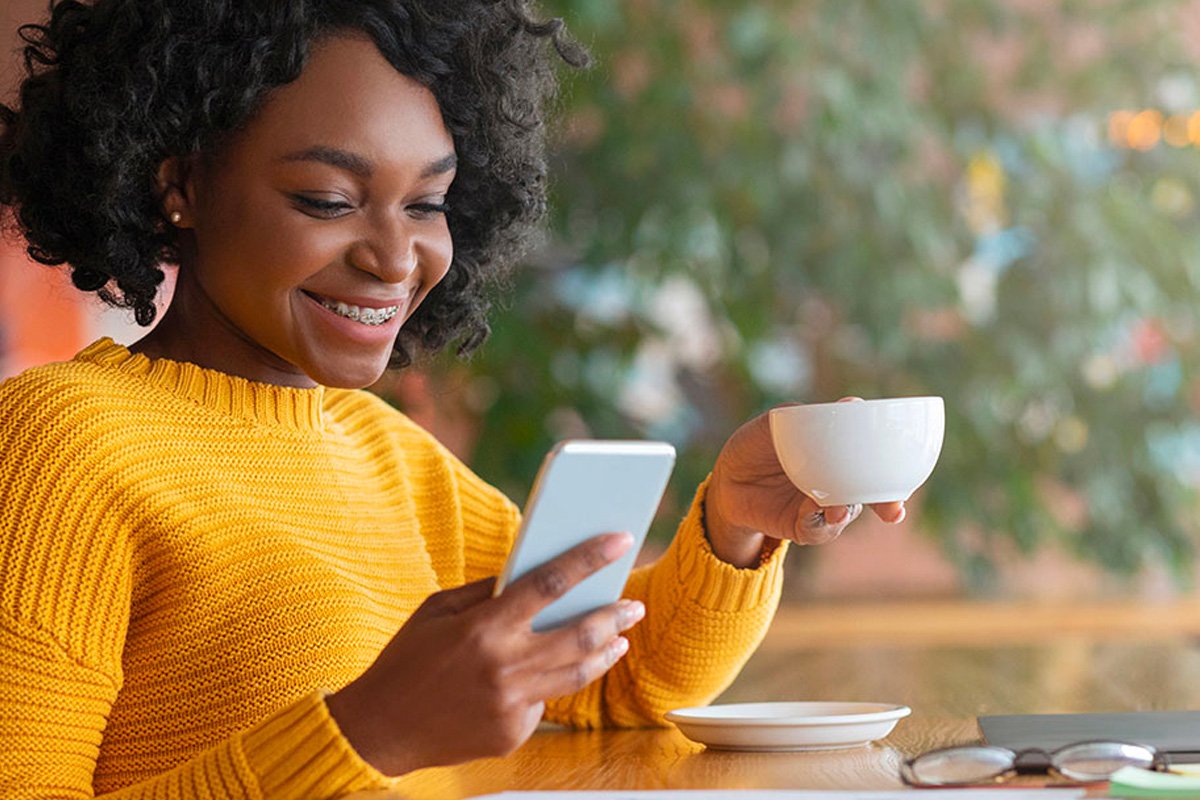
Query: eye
x=321, y=207
x=426, y=210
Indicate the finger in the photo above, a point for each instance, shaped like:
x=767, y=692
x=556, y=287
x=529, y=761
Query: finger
x=850, y=399
x=890, y=512
x=539, y=587
x=454, y=601
x=533, y=716
x=819, y=525
x=519, y=727
x=837, y=515
x=831, y=515
x=573, y=677
x=592, y=633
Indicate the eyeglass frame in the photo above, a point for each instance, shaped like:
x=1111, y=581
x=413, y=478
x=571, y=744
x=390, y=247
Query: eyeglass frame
x=1160, y=762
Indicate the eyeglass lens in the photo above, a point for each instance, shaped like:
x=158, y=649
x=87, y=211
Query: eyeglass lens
x=961, y=765
x=1086, y=761
x=1097, y=761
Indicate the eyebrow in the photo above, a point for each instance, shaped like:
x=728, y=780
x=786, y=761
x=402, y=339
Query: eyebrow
x=442, y=165
x=359, y=165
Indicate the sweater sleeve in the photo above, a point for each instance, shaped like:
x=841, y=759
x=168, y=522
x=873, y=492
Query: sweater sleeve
x=66, y=574
x=704, y=619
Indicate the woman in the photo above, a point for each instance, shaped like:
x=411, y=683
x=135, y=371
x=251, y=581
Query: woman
x=227, y=571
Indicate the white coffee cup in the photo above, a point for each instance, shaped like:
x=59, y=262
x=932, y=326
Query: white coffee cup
x=868, y=451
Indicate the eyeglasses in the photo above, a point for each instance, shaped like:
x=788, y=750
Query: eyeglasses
x=1082, y=762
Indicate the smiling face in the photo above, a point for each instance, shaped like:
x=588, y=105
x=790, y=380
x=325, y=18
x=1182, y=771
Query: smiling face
x=316, y=231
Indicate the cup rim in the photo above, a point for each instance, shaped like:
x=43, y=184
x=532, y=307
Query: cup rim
x=860, y=403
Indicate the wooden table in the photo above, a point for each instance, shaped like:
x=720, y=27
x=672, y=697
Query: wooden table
x=949, y=662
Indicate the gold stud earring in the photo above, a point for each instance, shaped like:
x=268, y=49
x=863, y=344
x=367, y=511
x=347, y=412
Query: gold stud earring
x=176, y=217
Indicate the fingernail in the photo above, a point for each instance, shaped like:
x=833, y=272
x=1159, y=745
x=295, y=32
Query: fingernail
x=618, y=648
x=615, y=546
x=631, y=612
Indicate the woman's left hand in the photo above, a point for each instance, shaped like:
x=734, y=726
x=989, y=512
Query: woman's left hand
x=750, y=500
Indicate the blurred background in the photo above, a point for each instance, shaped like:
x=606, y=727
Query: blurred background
x=990, y=200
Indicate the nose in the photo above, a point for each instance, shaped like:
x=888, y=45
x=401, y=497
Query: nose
x=388, y=251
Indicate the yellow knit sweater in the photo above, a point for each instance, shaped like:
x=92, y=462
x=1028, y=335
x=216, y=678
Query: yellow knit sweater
x=188, y=559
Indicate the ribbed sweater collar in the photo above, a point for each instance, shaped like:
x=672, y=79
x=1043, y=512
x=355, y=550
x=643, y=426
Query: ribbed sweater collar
x=262, y=403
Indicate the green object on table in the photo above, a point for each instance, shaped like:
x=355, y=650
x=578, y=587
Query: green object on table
x=1135, y=782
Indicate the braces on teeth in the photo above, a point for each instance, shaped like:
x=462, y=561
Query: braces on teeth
x=367, y=316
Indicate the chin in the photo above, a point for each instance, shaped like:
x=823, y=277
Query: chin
x=344, y=375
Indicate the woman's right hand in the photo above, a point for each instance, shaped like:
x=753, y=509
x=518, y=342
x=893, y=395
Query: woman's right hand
x=466, y=677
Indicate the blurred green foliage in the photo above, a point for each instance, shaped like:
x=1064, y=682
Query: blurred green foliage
x=770, y=201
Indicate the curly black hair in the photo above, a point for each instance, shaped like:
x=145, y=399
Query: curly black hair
x=114, y=87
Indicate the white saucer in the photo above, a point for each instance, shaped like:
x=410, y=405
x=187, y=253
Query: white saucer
x=780, y=727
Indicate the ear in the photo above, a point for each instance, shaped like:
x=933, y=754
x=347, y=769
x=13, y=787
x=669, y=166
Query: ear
x=176, y=195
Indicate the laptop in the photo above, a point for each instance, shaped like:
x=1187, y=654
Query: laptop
x=1176, y=733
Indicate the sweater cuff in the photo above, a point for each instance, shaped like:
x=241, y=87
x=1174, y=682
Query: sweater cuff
x=716, y=584
x=300, y=752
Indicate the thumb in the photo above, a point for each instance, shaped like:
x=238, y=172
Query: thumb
x=457, y=600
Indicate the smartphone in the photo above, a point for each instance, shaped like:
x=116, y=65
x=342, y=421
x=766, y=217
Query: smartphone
x=586, y=487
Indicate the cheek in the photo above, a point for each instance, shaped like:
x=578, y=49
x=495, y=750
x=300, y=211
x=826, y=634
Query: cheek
x=251, y=252
x=436, y=254
x=439, y=254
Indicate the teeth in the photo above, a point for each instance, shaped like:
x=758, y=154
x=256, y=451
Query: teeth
x=367, y=316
